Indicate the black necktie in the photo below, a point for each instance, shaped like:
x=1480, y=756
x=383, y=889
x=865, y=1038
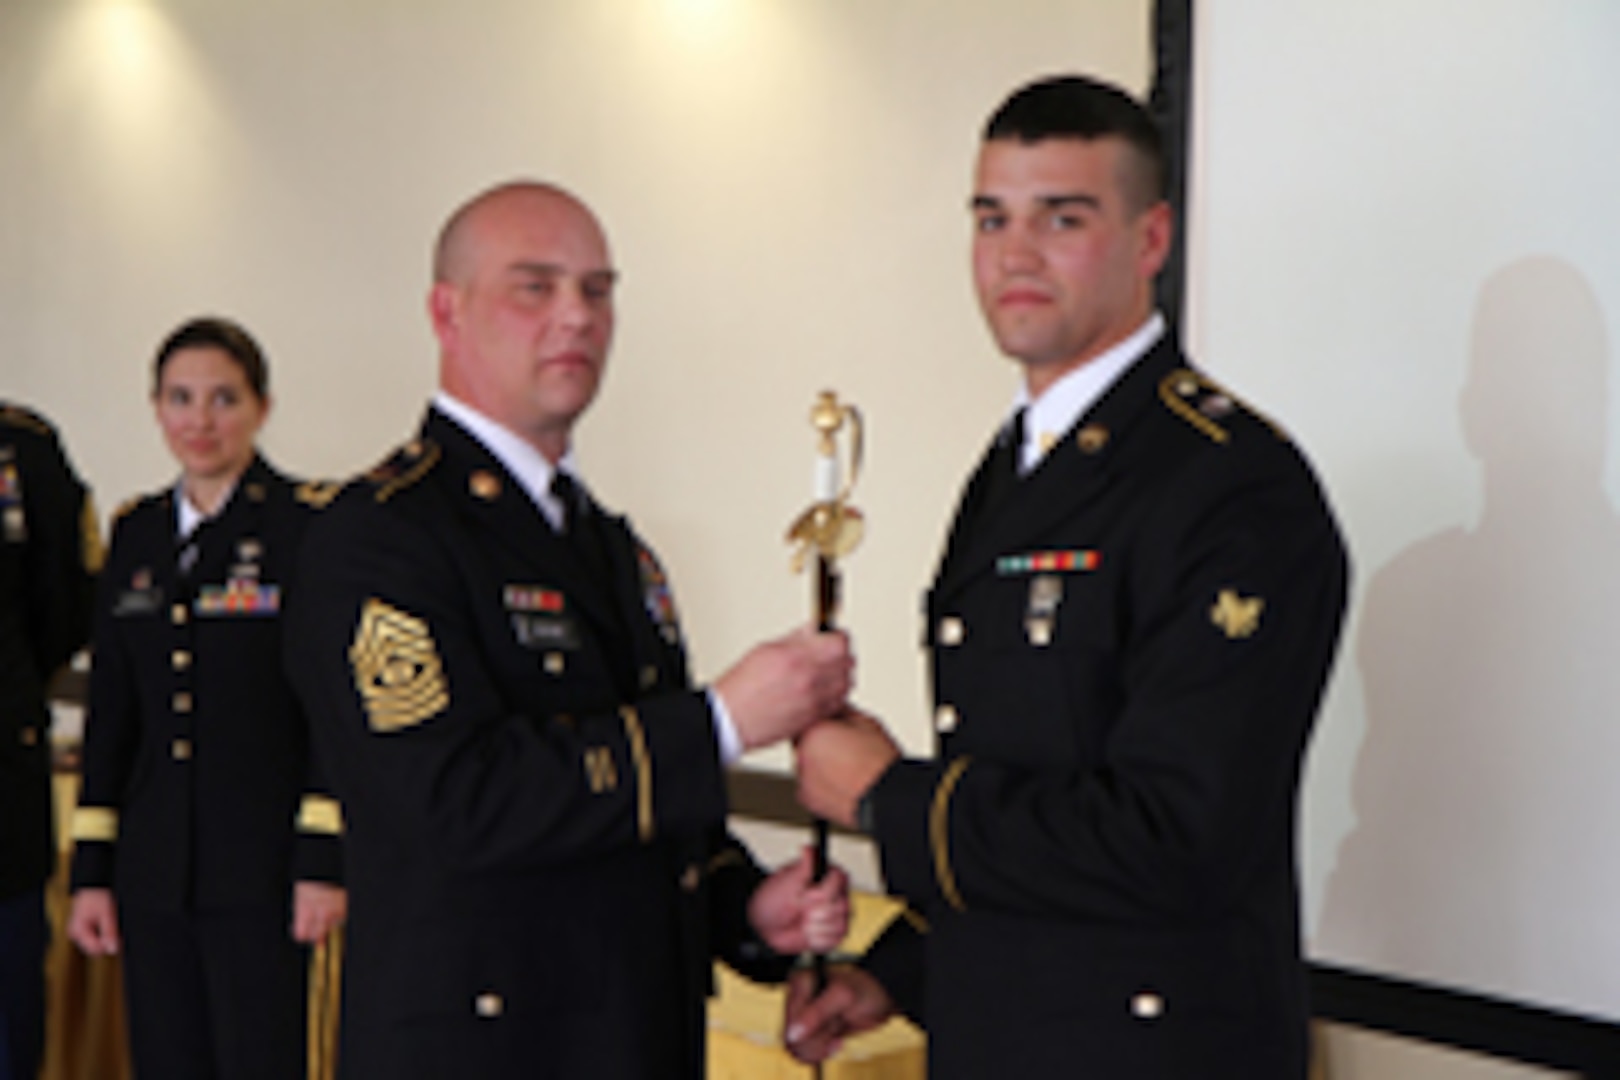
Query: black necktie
x=583, y=531
x=580, y=527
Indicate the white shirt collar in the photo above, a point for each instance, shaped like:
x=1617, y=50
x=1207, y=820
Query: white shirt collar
x=186, y=514
x=526, y=464
x=1065, y=401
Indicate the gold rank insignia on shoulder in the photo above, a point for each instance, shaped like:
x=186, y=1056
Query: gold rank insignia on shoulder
x=17, y=416
x=403, y=468
x=1201, y=402
x=1235, y=616
x=123, y=508
x=396, y=668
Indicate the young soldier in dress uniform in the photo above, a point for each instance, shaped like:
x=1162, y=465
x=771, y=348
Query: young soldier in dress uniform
x=50, y=548
x=206, y=848
x=1129, y=633
x=536, y=849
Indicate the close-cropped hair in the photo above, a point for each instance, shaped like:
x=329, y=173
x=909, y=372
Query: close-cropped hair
x=212, y=332
x=1077, y=107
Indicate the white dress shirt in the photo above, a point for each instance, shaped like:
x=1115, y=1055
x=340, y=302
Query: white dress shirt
x=1047, y=417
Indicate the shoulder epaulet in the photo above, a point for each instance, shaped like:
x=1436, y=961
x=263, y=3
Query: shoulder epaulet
x=1206, y=405
x=402, y=468
x=18, y=417
x=127, y=506
x=318, y=493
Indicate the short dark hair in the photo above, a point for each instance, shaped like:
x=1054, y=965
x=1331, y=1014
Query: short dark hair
x=1077, y=107
x=222, y=334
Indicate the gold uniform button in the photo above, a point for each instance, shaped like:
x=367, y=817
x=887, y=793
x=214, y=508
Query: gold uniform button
x=691, y=878
x=30, y=736
x=649, y=676
x=489, y=1006
x=180, y=750
x=180, y=659
x=952, y=630
x=1147, y=1006
x=555, y=663
x=182, y=702
x=177, y=614
x=945, y=719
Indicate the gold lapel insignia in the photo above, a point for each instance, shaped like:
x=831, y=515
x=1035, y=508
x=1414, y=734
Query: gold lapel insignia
x=484, y=485
x=1091, y=438
x=396, y=668
x=255, y=492
x=1235, y=616
x=318, y=493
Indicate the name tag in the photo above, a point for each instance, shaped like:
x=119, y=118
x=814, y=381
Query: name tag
x=535, y=631
x=138, y=602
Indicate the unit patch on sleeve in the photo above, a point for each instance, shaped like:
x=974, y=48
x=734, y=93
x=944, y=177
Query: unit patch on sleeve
x=396, y=668
x=660, y=602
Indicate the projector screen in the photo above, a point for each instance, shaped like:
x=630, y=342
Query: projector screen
x=1405, y=246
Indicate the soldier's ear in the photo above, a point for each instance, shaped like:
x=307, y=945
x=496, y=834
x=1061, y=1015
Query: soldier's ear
x=444, y=309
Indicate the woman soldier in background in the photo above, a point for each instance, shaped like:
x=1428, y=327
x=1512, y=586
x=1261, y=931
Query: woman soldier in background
x=205, y=848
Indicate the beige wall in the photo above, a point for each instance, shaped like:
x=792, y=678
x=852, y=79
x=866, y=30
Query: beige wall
x=784, y=185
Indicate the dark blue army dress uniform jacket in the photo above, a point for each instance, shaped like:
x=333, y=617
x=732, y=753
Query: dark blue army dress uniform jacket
x=1128, y=651
x=50, y=545
x=538, y=869
x=200, y=791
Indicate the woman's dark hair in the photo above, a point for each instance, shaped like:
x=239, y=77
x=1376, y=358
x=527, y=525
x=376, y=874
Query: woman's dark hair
x=224, y=335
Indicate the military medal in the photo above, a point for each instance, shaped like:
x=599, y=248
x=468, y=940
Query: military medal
x=533, y=598
x=248, y=553
x=1047, y=562
x=238, y=596
x=1045, y=594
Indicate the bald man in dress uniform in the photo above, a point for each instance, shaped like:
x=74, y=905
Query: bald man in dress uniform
x=539, y=870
